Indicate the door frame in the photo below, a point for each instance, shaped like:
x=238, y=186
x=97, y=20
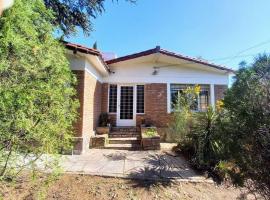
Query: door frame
x=121, y=122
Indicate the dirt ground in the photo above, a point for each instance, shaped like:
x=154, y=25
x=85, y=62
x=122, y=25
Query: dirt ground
x=82, y=187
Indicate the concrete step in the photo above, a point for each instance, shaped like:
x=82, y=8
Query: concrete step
x=124, y=134
x=125, y=129
x=123, y=146
x=129, y=140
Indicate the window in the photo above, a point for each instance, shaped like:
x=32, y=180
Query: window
x=113, y=98
x=140, y=98
x=202, y=101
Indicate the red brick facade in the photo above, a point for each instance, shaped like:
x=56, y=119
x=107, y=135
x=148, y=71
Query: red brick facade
x=93, y=97
x=155, y=104
x=89, y=93
x=80, y=92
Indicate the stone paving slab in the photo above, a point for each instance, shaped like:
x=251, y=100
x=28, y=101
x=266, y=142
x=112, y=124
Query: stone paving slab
x=149, y=165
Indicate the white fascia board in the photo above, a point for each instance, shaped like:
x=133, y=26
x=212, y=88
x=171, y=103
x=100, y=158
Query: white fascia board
x=89, y=68
x=98, y=64
x=180, y=80
x=80, y=62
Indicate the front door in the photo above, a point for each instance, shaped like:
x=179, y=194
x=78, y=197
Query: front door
x=126, y=115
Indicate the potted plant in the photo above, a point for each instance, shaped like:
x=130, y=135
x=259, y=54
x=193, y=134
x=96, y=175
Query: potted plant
x=103, y=124
x=150, y=138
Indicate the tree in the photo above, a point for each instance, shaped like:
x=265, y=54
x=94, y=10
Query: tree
x=71, y=14
x=37, y=105
x=247, y=103
x=95, y=45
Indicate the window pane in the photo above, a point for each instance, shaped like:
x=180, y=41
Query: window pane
x=176, y=89
x=126, y=102
x=201, y=103
x=204, y=99
x=140, y=98
x=113, y=99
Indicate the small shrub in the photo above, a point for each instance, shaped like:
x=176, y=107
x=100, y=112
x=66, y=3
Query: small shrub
x=182, y=115
x=150, y=132
x=103, y=120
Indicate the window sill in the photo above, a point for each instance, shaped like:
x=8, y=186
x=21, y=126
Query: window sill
x=140, y=113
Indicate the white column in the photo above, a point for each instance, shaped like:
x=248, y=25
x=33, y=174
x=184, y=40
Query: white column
x=168, y=98
x=212, y=95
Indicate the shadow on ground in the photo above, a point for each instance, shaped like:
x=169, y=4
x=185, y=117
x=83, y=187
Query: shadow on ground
x=156, y=172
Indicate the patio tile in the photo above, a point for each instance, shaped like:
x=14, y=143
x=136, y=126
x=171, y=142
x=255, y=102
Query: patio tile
x=131, y=164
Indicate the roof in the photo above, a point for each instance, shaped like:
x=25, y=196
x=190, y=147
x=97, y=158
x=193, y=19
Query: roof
x=85, y=50
x=168, y=53
x=80, y=48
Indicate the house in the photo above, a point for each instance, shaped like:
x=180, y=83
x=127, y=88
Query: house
x=136, y=87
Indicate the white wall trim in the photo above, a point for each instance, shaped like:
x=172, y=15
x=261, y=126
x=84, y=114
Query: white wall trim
x=212, y=95
x=87, y=70
x=91, y=70
x=168, y=97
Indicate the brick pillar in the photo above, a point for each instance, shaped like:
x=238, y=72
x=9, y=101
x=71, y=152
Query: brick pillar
x=89, y=93
x=80, y=89
x=156, y=104
x=104, y=106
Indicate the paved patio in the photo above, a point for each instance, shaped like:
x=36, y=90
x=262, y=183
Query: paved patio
x=149, y=165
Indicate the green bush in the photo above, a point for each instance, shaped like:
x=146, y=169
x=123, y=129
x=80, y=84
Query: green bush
x=37, y=104
x=248, y=107
x=182, y=114
x=233, y=140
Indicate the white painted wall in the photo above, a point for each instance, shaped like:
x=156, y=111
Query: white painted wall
x=142, y=73
x=76, y=63
x=80, y=63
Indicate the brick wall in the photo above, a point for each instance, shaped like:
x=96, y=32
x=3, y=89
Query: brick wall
x=220, y=91
x=92, y=103
x=79, y=88
x=156, y=104
x=104, y=106
x=89, y=93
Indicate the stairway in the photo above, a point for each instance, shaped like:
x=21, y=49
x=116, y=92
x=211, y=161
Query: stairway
x=124, y=138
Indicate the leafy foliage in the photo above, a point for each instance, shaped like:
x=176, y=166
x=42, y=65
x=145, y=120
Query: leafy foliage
x=182, y=115
x=207, y=144
x=248, y=106
x=37, y=106
x=150, y=132
x=71, y=14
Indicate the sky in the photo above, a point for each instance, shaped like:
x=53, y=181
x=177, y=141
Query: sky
x=225, y=32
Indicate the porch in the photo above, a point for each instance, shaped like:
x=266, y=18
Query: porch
x=146, y=165
x=126, y=138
